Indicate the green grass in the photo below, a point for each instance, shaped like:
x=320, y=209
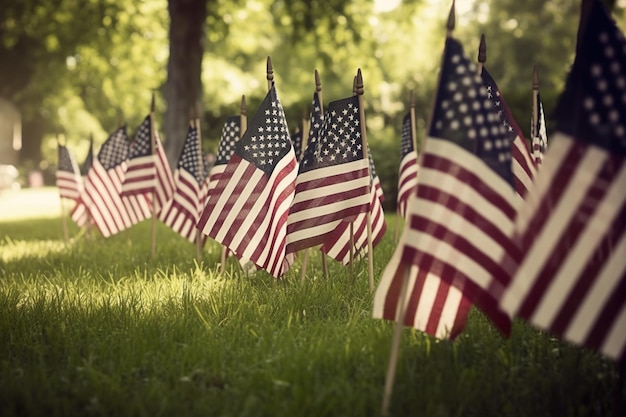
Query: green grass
x=97, y=327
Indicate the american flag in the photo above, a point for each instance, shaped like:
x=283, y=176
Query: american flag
x=148, y=170
x=333, y=180
x=68, y=178
x=523, y=166
x=572, y=279
x=181, y=213
x=539, y=134
x=109, y=211
x=247, y=209
x=228, y=141
x=337, y=245
x=460, y=217
x=407, y=178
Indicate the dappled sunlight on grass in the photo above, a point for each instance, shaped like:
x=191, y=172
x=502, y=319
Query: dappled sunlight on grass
x=11, y=250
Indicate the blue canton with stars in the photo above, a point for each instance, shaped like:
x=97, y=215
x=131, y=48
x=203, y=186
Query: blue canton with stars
x=266, y=141
x=230, y=136
x=142, y=145
x=465, y=115
x=339, y=139
x=190, y=156
x=593, y=106
x=66, y=162
x=115, y=150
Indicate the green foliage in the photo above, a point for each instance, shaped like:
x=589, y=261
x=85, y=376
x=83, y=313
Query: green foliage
x=98, y=327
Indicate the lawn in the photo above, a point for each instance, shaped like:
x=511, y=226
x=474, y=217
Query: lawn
x=99, y=327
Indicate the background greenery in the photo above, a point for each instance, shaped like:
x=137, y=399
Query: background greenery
x=97, y=327
x=75, y=68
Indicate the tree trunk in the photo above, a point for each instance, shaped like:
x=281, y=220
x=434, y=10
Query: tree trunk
x=183, y=88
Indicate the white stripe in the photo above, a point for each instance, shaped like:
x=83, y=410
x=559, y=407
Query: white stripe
x=426, y=300
x=603, y=287
x=449, y=311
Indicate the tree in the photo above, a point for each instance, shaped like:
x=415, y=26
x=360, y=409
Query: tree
x=183, y=89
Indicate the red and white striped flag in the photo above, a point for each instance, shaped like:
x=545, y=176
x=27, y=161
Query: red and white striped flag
x=407, y=177
x=247, y=209
x=523, y=165
x=182, y=212
x=109, y=211
x=148, y=171
x=68, y=179
x=333, y=181
x=338, y=243
x=461, y=214
x=572, y=278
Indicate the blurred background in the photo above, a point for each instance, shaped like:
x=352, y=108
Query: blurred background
x=75, y=69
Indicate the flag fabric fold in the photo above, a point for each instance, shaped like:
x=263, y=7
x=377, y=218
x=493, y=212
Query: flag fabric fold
x=181, y=213
x=110, y=212
x=523, y=167
x=338, y=243
x=148, y=170
x=460, y=216
x=247, y=209
x=407, y=177
x=68, y=179
x=333, y=178
x=572, y=280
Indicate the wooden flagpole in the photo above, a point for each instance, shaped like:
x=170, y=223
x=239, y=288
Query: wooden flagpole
x=370, y=255
x=401, y=307
x=195, y=122
x=152, y=147
x=269, y=73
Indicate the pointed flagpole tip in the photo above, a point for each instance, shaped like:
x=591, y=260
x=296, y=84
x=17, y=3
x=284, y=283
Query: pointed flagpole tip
x=318, y=81
x=243, y=105
x=482, y=50
x=270, y=69
x=535, y=78
x=359, y=82
x=451, y=19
